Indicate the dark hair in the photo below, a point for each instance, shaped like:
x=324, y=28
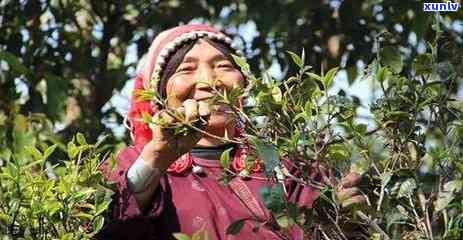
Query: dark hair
x=176, y=59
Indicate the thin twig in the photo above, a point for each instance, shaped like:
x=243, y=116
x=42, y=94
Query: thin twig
x=336, y=225
x=372, y=224
x=423, y=204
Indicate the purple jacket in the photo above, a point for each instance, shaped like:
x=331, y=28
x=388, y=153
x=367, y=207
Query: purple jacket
x=191, y=202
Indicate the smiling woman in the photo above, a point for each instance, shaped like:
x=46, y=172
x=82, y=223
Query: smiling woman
x=205, y=65
x=170, y=182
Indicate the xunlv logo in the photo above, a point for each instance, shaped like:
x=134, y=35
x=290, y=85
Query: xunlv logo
x=441, y=7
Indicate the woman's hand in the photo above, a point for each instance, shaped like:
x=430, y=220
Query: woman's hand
x=164, y=148
x=348, y=193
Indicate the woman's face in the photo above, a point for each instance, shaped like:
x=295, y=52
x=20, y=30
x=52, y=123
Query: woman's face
x=202, y=67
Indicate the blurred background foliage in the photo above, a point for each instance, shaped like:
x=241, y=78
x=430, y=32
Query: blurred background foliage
x=67, y=59
x=65, y=63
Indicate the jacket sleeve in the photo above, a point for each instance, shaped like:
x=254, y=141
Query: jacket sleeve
x=125, y=205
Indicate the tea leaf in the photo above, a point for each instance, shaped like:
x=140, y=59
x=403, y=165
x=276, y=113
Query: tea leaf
x=407, y=188
x=329, y=77
x=391, y=57
x=296, y=59
x=235, y=227
x=276, y=94
x=181, y=236
x=268, y=153
x=225, y=158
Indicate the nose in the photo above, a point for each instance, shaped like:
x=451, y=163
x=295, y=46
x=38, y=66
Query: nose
x=207, y=78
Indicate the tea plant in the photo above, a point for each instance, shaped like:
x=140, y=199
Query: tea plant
x=411, y=155
x=48, y=189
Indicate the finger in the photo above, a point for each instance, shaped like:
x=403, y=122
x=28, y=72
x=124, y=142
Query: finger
x=167, y=118
x=346, y=193
x=161, y=120
x=352, y=179
x=191, y=109
x=355, y=200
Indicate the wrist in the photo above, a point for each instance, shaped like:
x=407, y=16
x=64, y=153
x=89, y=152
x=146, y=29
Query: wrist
x=153, y=160
x=140, y=175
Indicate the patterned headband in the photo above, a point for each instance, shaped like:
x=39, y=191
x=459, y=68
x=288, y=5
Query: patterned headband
x=170, y=48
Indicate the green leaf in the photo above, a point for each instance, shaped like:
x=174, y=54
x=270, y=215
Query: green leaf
x=318, y=80
x=83, y=216
x=100, y=208
x=200, y=234
x=49, y=151
x=394, y=216
x=235, y=227
x=398, y=114
x=81, y=139
x=14, y=62
x=83, y=194
x=273, y=197
x=296, y=59
x=276, y=94
x=293, y=210
x=339, y=152
x=361, y=128
x=329, y=76
x=225, y=158
x=351, y=74
x=181, y=236
x=34, y=152
x=97, y=223
x=300, y=115
x=268, y=153
x=407, y=188
x=453, y=186
x=308, y=106
x=383, y=74
x=315, y=76
x=242, y=63
x=390, y=56
x=72, y=150
x=385, y=178
x=67, y=236
x=56, y=92
x=443, y=200
x=29, y=165
x=423, y=64
x=284, y=221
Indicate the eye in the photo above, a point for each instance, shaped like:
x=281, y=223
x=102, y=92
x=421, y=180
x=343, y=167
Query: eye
x=225, y=65
x=185, y=68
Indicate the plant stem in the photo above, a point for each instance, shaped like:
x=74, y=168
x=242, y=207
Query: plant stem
x=423, y=204
x=372, y=224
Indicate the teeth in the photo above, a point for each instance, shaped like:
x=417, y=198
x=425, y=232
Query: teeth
x=203, y=108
